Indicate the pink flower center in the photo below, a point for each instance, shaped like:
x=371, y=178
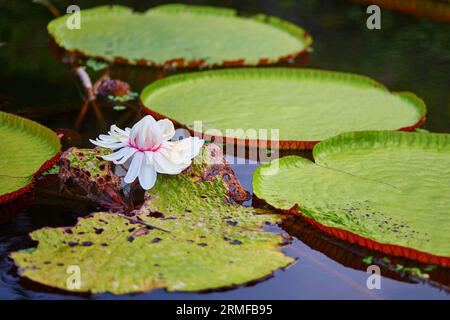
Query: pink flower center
x=134, y=144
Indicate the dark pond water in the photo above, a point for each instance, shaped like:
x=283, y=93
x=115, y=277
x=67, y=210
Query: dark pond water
x=408, y=53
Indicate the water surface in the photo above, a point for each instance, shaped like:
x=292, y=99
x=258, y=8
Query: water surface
x=408, y=53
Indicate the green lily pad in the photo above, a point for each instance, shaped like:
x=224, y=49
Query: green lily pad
x=306, y=106
x=28, y=148
x=188, y=236
x=96, y=65
x=181, y=35
x=384, y=190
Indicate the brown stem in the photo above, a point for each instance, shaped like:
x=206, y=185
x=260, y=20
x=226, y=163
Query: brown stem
x=52, y=8
x=81, y=115
x=90, y=99
x=99, y=115
x=86, y=82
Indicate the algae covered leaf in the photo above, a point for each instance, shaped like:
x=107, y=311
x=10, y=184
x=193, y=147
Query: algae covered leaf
x=189, y=235
x=180, y=35
x=384, y=190
x=28, y=148
x=91, y=177
x=305, y=105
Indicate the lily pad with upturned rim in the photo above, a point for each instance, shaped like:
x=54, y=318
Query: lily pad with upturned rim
x=384, y=190
x=28, y=148
x=180, y=35
x=306, y=105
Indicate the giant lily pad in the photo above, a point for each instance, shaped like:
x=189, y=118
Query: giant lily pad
x=187, y=236
x=388, y=191
x=180, y=35
x=306, y=106
x=28, y=148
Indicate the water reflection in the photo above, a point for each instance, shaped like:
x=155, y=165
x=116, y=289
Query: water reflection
x=352, y=255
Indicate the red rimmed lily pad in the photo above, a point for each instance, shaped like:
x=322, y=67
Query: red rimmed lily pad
x=181, y=35
x=28, y=148
x=305, y=105
x=387, y=191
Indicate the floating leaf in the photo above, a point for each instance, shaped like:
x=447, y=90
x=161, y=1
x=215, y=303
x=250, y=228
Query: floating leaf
x=96, y=65
x=181, y=35
x=430, y=267
x=399, y=267
x=125, y=98
x=209, y=242
x=305, y=105
x=28, y=148
x=368, y=260
x=384, y=190
x=119, y=108
x=51, y=171
x=417, y=272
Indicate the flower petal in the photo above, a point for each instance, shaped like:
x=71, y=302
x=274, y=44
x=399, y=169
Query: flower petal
x=115, y=129
x=149, y=157
x=108, y=145
x=134, y=132
x=106, y=138
x=121, y=156
x=115, y=139
x=164, y=165
x=167, y=129
x=146, y=134
x=135, y=167
x=147, y=176
x=115, y=155
x=184, y=150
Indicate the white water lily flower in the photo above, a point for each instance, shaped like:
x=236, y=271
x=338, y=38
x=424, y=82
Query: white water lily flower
x=146, y=150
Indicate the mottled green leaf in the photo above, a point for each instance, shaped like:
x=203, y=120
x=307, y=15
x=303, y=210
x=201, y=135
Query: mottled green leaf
x=188, y=235
x=86, y=174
